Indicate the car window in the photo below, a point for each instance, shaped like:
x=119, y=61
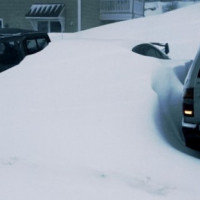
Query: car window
x=31, y=46
x=149, y=50
x=153, y=52
x=42, y=43
x=140, y=49
x=2, y=53
x=158, y=54
x=198, y=75
x=10, y=53
x=2, y=48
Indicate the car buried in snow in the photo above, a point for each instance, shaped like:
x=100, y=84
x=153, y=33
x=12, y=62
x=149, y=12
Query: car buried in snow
x=15, y=44
x=191, y=105
x=152, y=50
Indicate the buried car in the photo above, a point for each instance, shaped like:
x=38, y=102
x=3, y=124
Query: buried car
x=152, y=50
x=15, y=44
x=191, y=105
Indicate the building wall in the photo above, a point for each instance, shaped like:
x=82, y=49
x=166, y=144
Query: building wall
x=90, y=13
x=70, y=15
x=13, y=13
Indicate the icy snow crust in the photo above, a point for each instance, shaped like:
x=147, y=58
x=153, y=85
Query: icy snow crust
x=88, y=119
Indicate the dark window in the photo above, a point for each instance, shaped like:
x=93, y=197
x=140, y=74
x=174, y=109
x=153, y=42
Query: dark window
x=139, y=49
x=153, y=52
x=55, y=27
x=31, y=46
x=42, y=43
x=43, y=26
x=198, y=74
x=10, y=53
x=2, y=48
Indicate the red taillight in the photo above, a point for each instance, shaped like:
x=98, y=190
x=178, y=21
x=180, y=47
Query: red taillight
x=188, y=93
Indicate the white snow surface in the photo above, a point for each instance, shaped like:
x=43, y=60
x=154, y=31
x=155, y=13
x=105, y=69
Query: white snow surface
x=86, y=118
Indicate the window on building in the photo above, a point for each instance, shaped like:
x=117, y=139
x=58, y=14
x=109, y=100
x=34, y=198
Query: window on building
x=43, y=26
x=55, y=26
x=49, y=26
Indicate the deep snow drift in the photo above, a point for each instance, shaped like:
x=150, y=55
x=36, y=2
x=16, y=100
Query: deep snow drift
x=88, y=119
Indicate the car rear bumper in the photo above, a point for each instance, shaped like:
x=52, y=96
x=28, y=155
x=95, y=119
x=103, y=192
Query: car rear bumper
x=191, y=134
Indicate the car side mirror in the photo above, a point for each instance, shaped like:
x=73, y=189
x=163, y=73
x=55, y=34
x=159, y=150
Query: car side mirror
x=166, y=48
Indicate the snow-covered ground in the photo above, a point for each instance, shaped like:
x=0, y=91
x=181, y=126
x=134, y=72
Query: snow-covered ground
x=88, y=119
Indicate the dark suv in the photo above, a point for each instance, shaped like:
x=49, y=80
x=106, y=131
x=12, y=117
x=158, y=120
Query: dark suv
x=15, y=44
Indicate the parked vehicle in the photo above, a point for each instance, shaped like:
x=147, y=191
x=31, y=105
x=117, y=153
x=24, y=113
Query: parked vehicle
x=15, y=44
x=191, y=105
x=152, y=50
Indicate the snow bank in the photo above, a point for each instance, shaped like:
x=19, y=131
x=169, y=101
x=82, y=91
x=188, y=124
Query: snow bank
x=88, y=119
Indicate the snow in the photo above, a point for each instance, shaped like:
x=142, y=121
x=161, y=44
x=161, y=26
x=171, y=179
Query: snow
x=86, y=118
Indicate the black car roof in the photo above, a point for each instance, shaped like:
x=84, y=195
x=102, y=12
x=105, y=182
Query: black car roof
x=8, y=33
x=14, y=32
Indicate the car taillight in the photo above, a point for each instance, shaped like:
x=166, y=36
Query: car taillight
x=188, y=109
x=188, y=93
x=188, y=105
